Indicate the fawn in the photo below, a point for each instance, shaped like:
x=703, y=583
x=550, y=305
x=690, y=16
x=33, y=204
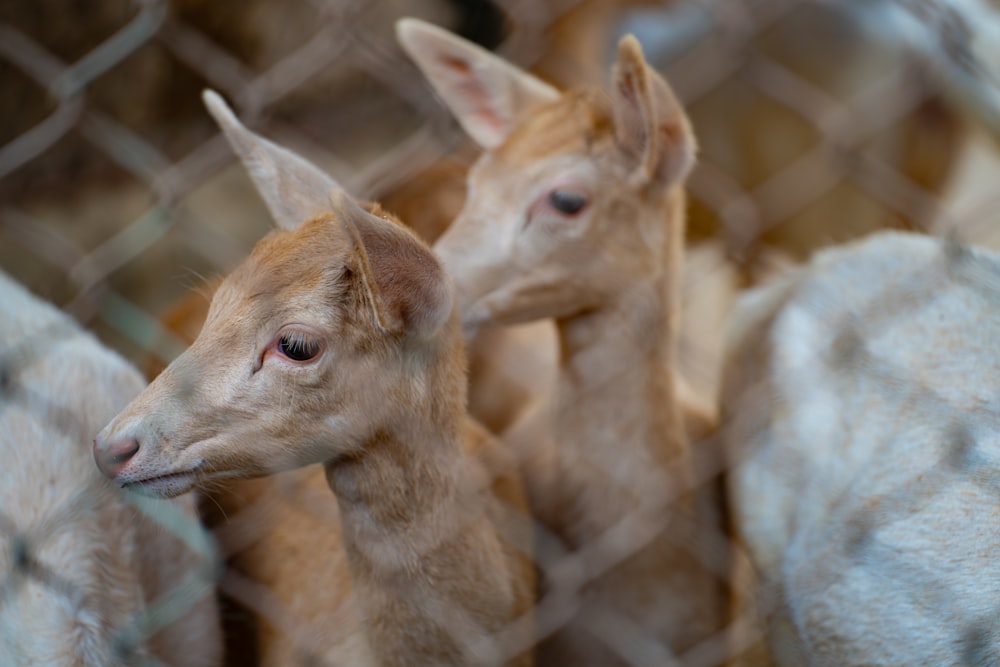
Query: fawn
x=335, y=342
x=860, y=417
x=576, y=212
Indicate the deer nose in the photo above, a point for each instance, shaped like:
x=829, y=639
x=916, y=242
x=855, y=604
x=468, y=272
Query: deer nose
x=112, y=457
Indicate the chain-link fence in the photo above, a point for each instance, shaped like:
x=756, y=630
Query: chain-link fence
x=818, y=122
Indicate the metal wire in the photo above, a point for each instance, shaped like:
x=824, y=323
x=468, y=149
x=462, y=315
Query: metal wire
x=111, y=192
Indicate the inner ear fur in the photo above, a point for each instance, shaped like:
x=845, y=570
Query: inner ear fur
x=294, y=189
x=650, y=124
x=408, y=289
x=487, y=94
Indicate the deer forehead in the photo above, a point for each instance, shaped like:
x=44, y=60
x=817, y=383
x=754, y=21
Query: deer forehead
x=287, y=270
x=494, y=182
x=579, y=122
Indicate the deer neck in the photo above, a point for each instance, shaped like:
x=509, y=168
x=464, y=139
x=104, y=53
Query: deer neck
x=616, y=414
x=422, y=553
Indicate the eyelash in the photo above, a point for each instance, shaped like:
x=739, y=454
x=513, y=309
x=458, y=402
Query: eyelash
x=295, y=346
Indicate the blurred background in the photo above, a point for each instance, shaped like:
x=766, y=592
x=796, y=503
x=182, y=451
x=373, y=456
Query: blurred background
x=818, y=122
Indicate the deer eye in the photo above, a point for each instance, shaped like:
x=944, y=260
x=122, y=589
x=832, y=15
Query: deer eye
x=566, y=202
x=297, y=347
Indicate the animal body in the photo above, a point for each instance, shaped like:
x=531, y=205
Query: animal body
x=336, y=343
x=860, y=419
x=82, y=565
x=575, y=212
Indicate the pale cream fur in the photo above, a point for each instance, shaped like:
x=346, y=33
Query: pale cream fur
x=860, y=417
x=95, y=560
x=611, y=448
x=436, y=562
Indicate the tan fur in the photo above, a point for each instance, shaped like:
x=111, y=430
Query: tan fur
x=274, y=532
x=510, y=368
x=282, y=526
x=433, y=571
x=613, y=441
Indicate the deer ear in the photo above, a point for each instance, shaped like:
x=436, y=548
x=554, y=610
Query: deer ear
x=487, y=94
x=293, y=188
x=408, y=289
x=650, y=123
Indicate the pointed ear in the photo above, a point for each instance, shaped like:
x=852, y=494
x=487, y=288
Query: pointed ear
x=650, y=123
x=487, y=94
x=293, y=188
x=408, y=289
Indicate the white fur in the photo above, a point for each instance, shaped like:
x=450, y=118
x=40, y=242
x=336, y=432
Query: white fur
x=104, y=558
x=861, y=407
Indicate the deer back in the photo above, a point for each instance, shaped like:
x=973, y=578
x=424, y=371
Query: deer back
x=860, y=412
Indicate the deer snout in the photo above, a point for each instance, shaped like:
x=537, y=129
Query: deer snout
x=111, y=457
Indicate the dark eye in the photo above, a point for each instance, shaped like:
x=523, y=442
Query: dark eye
x=297, y=347
x=566, y=202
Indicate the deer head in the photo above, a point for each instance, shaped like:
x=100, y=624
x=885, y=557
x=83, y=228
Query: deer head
x=336, y=321
x=576, y=194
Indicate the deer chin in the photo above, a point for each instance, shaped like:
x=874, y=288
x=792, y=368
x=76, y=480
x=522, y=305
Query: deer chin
x=473, y=323
x=519, y=305
x=165, y=484
x=482, y=316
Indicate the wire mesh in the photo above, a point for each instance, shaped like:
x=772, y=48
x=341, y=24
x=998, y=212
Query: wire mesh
x=818, y=122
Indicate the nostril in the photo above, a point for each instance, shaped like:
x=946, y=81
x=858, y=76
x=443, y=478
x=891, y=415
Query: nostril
x=122, y=452
x=112, y=458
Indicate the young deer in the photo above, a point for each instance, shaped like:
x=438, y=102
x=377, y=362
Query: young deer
x=576, y=212
x=335, y=342
x=80, y=565
x=861, y=418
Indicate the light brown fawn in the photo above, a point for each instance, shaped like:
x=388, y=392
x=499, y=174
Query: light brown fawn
x=335, y=342
x=576, y=212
